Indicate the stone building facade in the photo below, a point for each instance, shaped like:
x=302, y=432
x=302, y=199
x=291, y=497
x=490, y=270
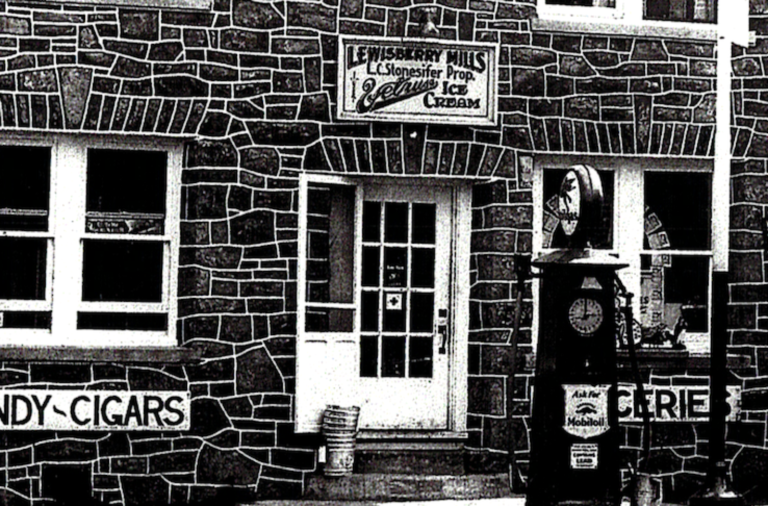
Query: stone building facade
x=247, y=88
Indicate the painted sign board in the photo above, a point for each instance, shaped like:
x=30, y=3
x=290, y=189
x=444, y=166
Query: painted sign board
x=674, y=403
x=417, y=81
x=96, y=410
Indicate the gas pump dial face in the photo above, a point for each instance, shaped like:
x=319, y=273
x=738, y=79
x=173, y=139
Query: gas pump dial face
x=585, y=315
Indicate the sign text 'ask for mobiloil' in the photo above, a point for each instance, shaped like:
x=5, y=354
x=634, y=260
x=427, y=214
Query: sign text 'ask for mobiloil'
x=417, y=81
x=94, y=410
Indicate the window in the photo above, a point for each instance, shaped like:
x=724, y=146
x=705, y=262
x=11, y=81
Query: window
x=171, y=4
x=656, y=218
x=89, y=246
x=689, y=11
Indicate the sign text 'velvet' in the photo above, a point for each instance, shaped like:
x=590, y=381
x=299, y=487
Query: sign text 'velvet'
x=93, y=410
x=417, y=81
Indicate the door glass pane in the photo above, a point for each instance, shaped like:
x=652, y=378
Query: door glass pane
x=370, y=311
x=371, y=266
x=331, y=243
x=396, y=222
x=423, y=268
x=369, y=356
x=23, y=268
x=324, y=319
x=393, y=357
x=422, y=312
x=394, y=311
x=702, y=11
x=424, y=223
x=124, y=271
x=395, y=267
x=371, y=222
x=420, y=357
x=122, y=321
x=25, y=194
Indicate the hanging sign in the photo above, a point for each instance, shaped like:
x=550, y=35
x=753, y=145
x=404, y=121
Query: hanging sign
x=417, y=81
x=586, y=410
x=96, y=410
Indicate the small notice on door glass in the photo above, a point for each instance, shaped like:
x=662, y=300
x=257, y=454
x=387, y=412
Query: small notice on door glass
x=395, y=301
x=584, y=456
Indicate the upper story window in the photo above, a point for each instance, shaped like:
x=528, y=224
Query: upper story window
x=88, y=242
x=632, y=11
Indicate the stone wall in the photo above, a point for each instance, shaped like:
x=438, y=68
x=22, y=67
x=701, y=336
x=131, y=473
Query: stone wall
x=252, y=84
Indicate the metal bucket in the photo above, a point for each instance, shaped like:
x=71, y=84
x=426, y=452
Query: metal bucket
x=340, y=431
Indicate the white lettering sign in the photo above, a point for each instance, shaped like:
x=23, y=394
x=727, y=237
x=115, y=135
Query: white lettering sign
x=583, y=456
x=586, y=410
x=417, y=81
x=93, y=410
x=673, y=404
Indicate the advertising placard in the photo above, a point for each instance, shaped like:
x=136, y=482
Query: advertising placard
x=687, y=403
x=417, y=81
x=96, y=410
x=586, y=410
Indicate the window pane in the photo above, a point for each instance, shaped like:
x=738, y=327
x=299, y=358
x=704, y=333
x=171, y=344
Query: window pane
x=394, y=311
x=423, y=268
x=369, y=356
x=422, y=312
x=675, y=297
x=395, y=266
x=424, y=223
x=583, y=3
x=330, y=237
x=372, y=222
x=320, y=319
x=126, y=181
x=420, y=357
x=704, y=11
x=122, y=321
x=370, y=311
x=25, y=319
x=396, y=222
x=393, y=356
x=552, y=233
x=677, y=210
x=25, y=194
x=23, y=268
x=125, y=271
x=371, y=266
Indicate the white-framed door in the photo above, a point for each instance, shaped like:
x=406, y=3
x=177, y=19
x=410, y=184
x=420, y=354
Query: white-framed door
x=405, y=253
x=383, y=294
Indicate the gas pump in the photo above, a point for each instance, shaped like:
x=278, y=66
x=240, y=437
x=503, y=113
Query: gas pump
x=574, y=435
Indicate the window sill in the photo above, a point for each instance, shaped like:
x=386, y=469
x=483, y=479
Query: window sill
x=650, y=29
x=674, y=360
x=163, y=4
x=144, y=355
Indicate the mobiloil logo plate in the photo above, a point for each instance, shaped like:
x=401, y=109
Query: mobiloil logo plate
x=586, y=410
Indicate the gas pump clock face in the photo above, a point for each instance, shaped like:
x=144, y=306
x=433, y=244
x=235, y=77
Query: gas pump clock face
x=585, y=316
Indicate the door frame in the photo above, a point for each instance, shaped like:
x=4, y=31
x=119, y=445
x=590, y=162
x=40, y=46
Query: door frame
x=308, y=407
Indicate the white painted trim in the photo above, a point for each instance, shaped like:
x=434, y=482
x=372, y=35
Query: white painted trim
x=721, y=175
x=460, y=284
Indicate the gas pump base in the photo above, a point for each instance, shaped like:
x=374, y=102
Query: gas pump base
x=718, y=493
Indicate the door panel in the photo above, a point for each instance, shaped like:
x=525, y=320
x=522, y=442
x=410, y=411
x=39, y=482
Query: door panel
x=404, y=297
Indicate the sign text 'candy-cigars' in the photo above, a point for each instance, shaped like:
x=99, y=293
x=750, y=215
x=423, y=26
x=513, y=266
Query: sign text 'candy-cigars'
x=93, y=410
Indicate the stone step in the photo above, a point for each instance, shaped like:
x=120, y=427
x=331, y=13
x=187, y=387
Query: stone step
x=399, y=487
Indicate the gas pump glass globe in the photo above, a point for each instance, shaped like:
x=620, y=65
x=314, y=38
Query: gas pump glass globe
x=585, y=315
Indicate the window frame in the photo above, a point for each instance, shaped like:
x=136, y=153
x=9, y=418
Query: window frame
x=627, y=13
x=628, y=222
x=67, y=233
x=162, y=4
